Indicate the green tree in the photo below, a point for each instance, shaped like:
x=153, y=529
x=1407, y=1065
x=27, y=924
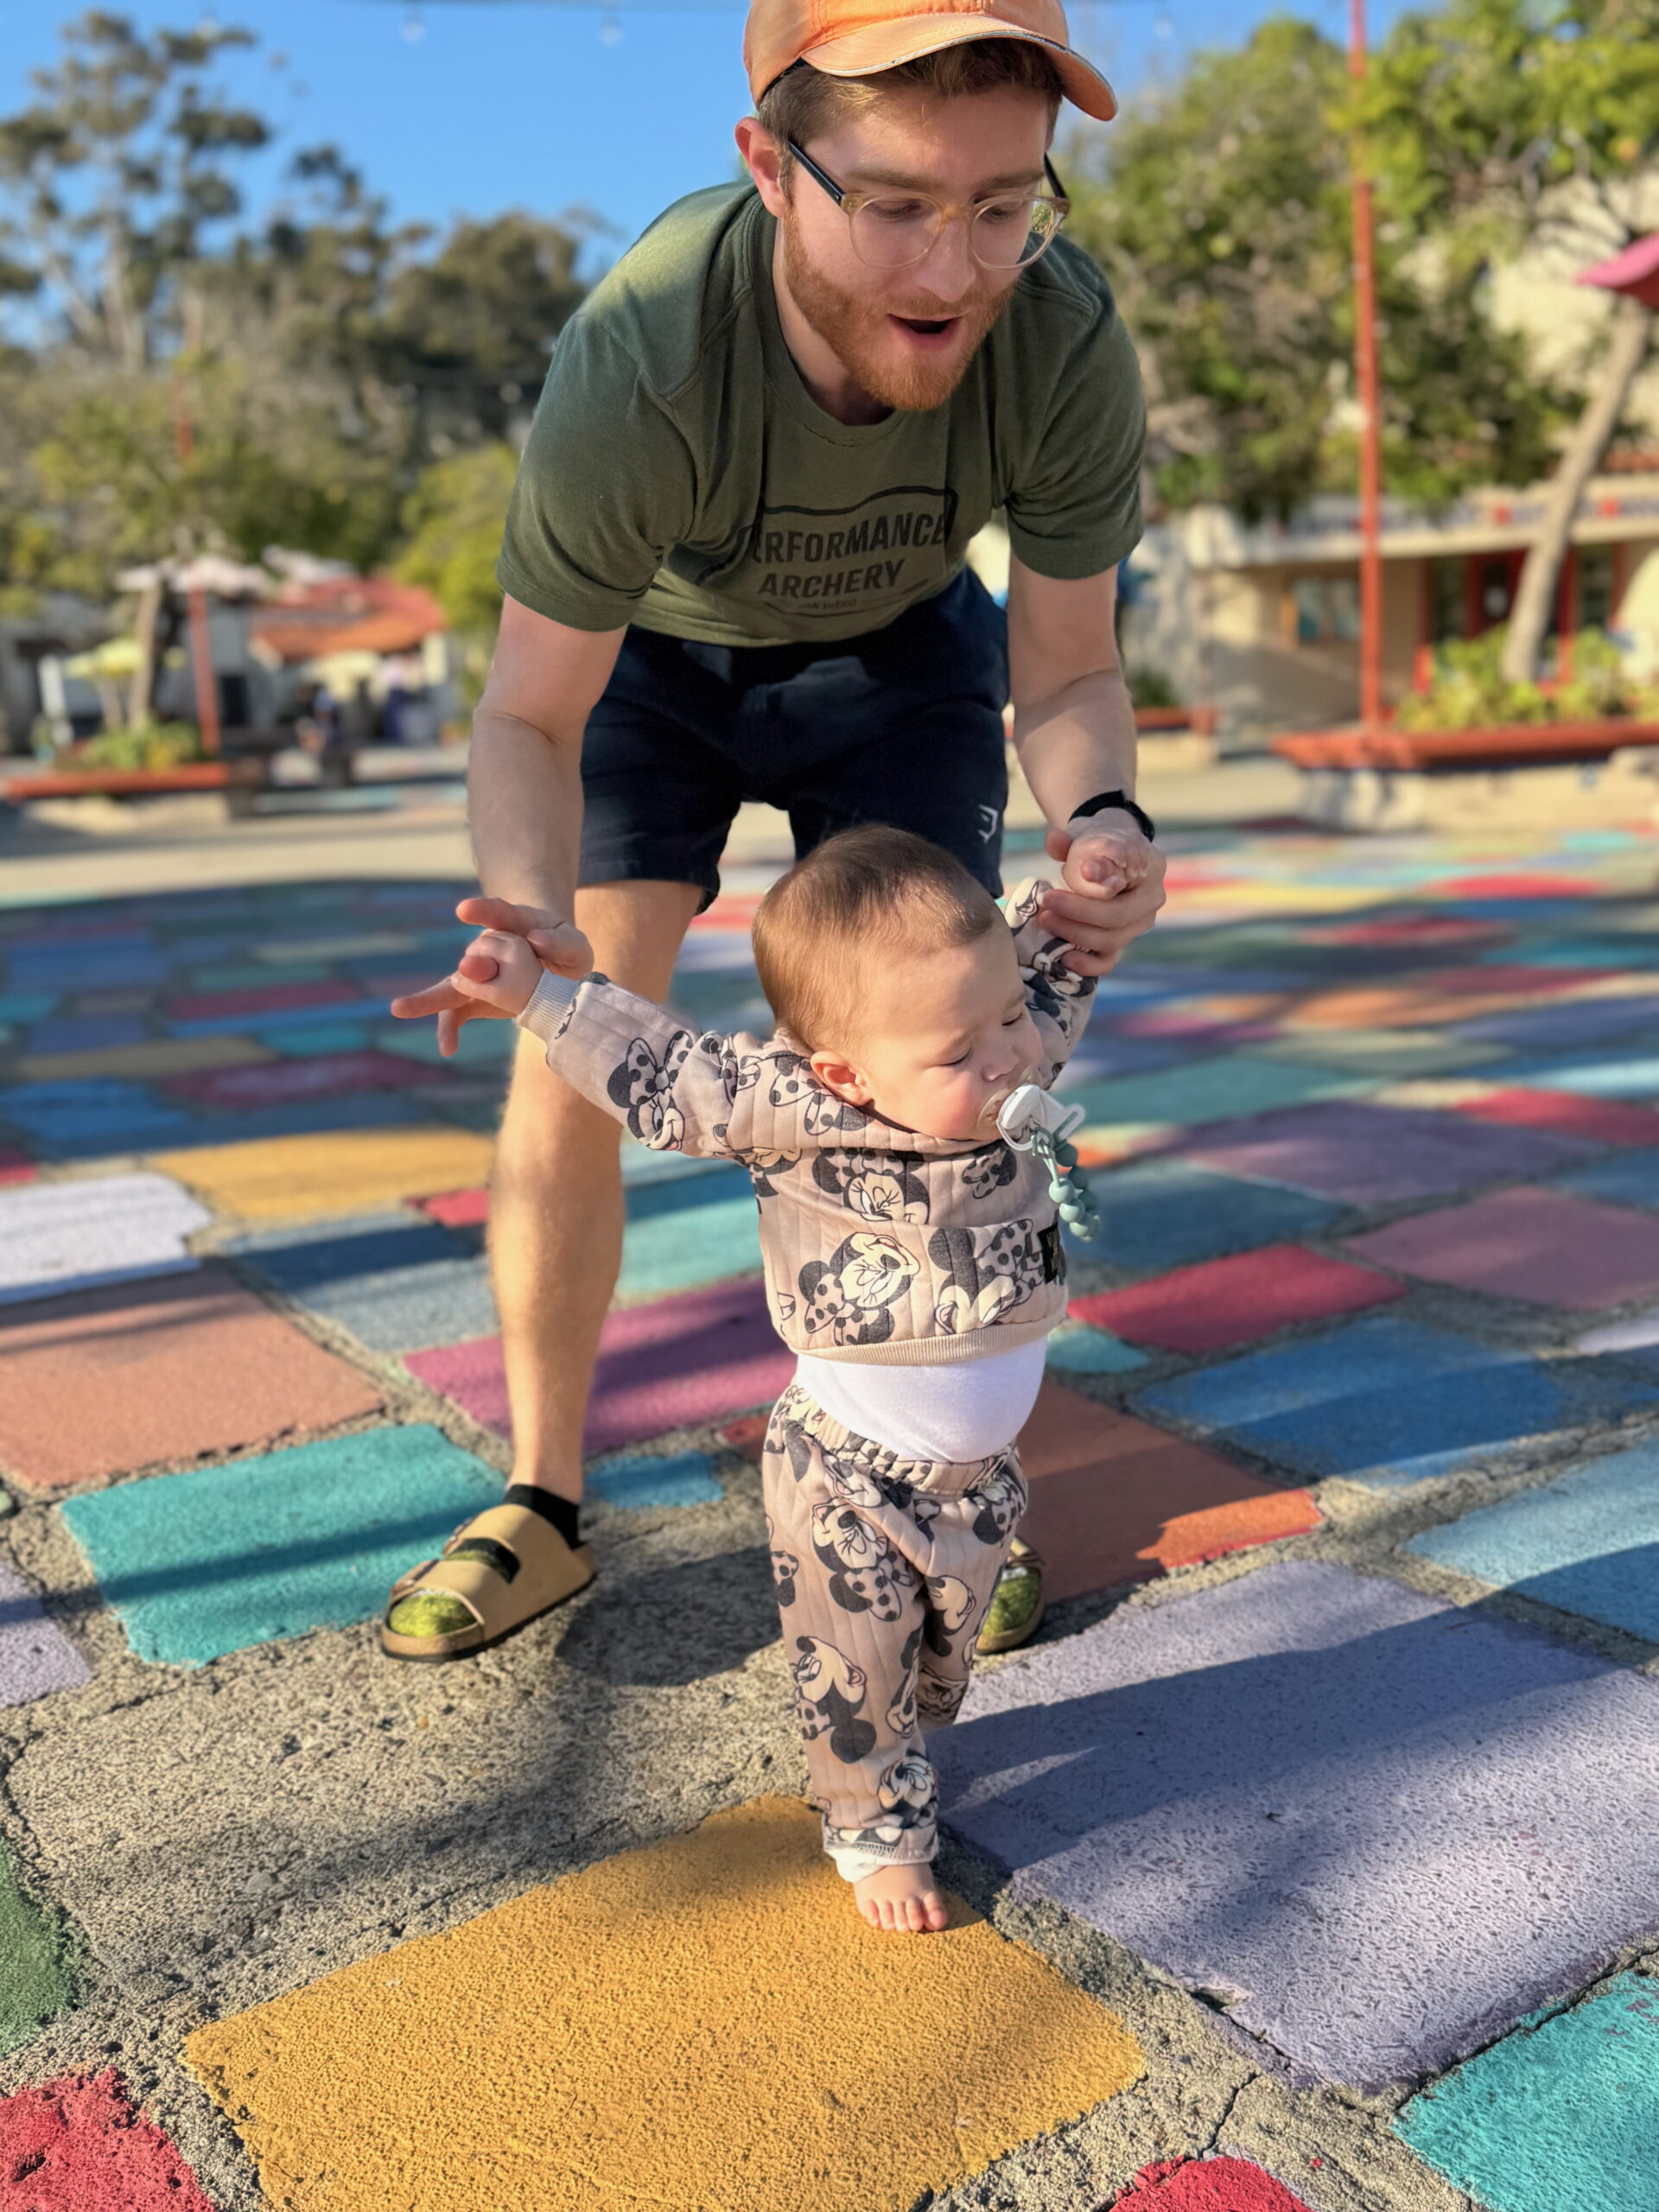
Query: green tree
x=116, y=175
x=1495, y=125
x=453, y=520
x=321, y=357
x=1220, y=208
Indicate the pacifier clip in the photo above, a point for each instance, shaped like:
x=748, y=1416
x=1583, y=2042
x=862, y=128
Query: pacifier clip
x=1031, y=1121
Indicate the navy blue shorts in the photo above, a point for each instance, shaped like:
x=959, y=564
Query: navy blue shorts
x=903, y=726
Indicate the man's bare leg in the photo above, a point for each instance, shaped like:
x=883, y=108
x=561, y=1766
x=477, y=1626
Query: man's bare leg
x=555, y=1197
x=556, y=1218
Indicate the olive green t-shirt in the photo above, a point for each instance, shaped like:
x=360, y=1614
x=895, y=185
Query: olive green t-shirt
x=679, y=474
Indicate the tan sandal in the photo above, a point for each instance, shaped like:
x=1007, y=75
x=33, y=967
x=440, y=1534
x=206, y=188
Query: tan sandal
x=1023, y=1564
x=507, y=1566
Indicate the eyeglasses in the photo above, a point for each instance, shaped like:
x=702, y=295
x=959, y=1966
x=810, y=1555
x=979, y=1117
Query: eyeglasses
x=895, y=230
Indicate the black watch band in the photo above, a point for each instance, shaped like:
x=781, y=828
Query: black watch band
x=1124, y=804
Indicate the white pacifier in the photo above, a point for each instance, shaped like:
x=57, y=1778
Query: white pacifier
x=1031, y=1108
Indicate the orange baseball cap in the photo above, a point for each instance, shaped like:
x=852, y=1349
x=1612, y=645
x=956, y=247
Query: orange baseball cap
x=860, y=38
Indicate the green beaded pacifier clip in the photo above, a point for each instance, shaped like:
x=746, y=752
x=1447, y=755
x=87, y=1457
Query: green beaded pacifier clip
x=1030, y=1120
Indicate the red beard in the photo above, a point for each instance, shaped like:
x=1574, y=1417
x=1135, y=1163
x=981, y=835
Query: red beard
x=859, y=335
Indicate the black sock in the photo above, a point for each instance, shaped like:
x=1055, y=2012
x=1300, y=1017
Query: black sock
x=559, y=1512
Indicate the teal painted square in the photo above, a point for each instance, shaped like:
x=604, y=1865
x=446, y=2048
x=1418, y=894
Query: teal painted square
x=1157, y=1214
x=1574, y=952
x=1220, y=1090
x=325, y=1037
x=255, y=976
x=1077, y=1348
x=1387, y=1402
x=484, y=1043
x=639, y=1483
x=1560, y=2116
x=217, y=1559
x=695, y=1243
x=1588, y=1542
x=26, y=1006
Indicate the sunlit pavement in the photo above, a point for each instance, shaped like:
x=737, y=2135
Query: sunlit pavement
x=1304, y=1859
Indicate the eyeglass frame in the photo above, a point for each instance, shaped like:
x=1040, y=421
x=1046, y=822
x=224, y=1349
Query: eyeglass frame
x=850, y=202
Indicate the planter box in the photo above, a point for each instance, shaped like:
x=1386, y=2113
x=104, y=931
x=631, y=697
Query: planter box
x=1523, y=776
x=128, y=783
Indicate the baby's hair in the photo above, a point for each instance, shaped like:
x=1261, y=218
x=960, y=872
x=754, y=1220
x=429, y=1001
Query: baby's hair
x=871, y=889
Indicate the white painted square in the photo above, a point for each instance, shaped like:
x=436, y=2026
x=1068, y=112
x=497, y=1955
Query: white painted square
x=93, y=1230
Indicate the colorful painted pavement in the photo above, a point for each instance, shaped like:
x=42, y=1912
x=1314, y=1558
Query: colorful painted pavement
x=1303, y=1864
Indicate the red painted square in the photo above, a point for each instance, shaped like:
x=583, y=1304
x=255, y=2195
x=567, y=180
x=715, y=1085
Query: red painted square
x=1545, y=1246
x=1114, y=1499
x=1208, y=2185
x=323, y=1075
x=1536, y=982
x=1604, y=1121
x=78, y=2145
x=271, y=998
x=143, y=1374
x=457, y=1209
x=15, y=1166
x=1230, y=1301
x=1412, y=930
x=1510, y=886
x=675, y=1362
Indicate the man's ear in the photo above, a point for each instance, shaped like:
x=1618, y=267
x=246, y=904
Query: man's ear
x=762, y=157
x=842, y=1077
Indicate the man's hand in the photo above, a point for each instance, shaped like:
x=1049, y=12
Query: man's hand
x=1110, y=890
x=557, y=944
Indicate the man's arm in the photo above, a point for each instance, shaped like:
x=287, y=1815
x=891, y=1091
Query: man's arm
x=1074, y=732
x=524, y=782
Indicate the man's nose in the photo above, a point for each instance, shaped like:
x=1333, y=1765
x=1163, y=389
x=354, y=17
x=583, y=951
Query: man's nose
x=948, y=268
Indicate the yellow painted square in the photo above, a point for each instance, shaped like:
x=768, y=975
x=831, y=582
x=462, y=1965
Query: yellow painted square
x=347, y=1170
x=149, y=1055
x=704, y=2026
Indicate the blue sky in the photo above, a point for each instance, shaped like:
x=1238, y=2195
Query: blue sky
x=506, y=104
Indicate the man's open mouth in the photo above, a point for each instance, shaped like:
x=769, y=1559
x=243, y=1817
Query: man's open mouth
x=923, y=327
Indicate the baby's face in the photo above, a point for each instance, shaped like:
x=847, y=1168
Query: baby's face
x=939, y=1040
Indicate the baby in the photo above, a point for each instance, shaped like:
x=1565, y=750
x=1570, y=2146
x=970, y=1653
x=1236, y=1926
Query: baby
x=908, y=1176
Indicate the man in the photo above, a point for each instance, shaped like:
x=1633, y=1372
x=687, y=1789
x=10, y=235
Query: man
x=733, y=569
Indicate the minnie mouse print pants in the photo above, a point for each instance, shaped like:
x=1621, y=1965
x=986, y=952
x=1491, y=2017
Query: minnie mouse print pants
x=883, y=1569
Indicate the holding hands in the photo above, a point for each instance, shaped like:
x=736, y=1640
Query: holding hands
x=498, y=973
x=1109, y=893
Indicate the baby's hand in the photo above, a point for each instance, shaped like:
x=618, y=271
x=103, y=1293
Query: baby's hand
x=1111, y=860
x=499, y=971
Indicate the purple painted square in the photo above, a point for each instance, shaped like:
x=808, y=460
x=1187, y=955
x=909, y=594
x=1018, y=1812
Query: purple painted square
x=673, y=1364
x=1391, y=1826
x=1371, y=1155
x=1547, y=1247
x=1567, y=1022
x=35, y=1656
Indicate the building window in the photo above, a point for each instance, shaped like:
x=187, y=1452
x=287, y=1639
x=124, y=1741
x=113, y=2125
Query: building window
x=1323, y=608
x=1595, y=608
x=1448, y=599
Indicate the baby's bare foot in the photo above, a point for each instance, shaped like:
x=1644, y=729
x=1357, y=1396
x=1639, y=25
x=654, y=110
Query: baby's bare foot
x=904, y=1900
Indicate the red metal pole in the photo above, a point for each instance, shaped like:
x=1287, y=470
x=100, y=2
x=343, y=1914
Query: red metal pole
x=201, y=649
x=1370, y=460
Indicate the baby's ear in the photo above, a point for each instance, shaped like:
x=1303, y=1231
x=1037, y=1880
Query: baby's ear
x=841, y=1077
